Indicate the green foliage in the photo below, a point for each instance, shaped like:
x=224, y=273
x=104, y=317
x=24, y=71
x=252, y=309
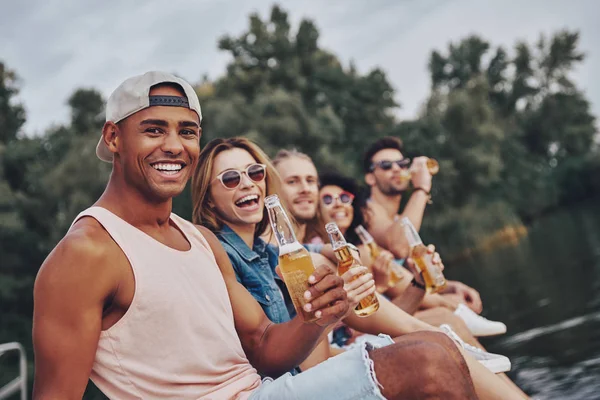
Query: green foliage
x=12, y=116
x=46, y=181
x=283, y=90
x=513, y=134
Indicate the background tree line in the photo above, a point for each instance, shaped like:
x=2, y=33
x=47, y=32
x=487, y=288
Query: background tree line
x=514, y=136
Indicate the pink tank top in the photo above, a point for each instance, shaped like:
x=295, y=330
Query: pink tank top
x=177, y=340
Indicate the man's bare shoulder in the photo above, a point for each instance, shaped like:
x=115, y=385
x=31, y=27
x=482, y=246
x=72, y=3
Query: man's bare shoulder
x=86, y=253
x=207, y=233
x=219, y=252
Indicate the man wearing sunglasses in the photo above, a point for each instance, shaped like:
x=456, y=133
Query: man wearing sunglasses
x=386, y=171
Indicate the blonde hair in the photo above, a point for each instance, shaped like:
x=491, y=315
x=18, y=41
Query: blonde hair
x=284, y=154
x=315, y=227
x=204, y=212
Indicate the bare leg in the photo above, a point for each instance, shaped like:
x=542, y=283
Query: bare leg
x=490, y=386
x=440, y=315
x=513, y=385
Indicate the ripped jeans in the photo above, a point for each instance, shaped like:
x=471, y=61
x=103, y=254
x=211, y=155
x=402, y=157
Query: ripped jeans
x=348, y=376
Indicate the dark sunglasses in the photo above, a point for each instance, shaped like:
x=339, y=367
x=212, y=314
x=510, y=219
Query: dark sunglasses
x=232, y=178
x=386, y=165
x=344, y=198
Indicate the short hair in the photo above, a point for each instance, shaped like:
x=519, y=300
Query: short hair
x=334, y=178
x=285, y=154
x=387, y=142
x=202, y=213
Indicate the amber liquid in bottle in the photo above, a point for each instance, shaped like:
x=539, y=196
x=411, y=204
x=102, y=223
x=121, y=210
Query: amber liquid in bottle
x=432, y=274
x=294, y=261
x=369, y=304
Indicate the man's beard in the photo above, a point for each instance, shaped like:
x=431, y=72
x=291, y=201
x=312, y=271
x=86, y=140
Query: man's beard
x=389, y=189
x=304, y=221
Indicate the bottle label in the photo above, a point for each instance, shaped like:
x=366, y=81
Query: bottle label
x=297, y=283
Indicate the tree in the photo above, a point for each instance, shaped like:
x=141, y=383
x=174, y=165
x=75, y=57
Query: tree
x=514, y=131
x=12, y=116
x=283, y=90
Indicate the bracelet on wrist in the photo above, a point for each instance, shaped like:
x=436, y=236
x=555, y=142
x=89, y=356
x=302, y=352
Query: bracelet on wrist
x=428, y=193
x=417, y=284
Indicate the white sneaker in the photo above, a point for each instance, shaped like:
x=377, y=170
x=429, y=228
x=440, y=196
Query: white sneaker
x=478, y=325
x=494, y=362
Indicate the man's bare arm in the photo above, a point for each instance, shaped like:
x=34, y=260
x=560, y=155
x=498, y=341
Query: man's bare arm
x=273, y=349
x=415, y=208
x=69, y=293
x=421, y=181
x=410, y=300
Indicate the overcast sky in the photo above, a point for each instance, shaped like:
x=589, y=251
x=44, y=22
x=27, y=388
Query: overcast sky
x=58, y=45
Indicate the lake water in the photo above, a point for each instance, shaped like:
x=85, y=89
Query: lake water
x=547, y=291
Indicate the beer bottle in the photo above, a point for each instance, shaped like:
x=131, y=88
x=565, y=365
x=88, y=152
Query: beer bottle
x=294, y=261
x=369, y=304
x=432, y=165
x=366, y=238
x=432, y=274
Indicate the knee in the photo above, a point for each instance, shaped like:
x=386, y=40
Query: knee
x=432, y=367
x=439, y=369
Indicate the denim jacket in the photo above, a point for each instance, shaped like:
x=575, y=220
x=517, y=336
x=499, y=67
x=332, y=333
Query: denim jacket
x=255, y=269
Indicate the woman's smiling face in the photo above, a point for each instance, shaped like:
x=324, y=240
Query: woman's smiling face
x=243, y=204
x=336, y=206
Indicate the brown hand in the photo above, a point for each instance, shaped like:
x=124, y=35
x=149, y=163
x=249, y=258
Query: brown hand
x=327, y=296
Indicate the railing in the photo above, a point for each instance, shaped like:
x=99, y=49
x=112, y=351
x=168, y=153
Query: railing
x=20, y=382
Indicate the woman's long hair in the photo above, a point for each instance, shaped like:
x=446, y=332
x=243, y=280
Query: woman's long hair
x=204, y=213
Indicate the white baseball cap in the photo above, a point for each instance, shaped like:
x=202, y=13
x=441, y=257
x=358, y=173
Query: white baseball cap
x=133, y=95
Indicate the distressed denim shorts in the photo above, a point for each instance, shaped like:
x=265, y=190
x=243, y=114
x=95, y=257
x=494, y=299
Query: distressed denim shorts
x=348, y=376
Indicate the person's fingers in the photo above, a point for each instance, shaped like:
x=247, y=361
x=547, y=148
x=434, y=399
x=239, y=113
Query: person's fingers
x=329, y=282
x=358, y=282
x=436, y=259
x=475, y=300
x=320, y=272
x=431, y=249
x=352, y=272
x=360, y=290
x=358, y=295
x=326, y=299
x=337, y=310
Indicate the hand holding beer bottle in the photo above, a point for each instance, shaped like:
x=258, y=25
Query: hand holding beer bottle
x=394, y=273
x=421, y=171
x=427, y=263
x=318, y=294
x=346, y=261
